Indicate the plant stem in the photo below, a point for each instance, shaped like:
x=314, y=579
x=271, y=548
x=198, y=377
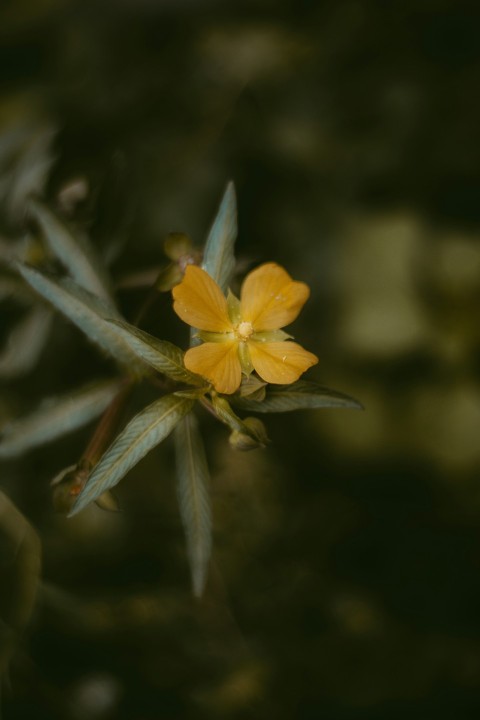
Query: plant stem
x=107, y=426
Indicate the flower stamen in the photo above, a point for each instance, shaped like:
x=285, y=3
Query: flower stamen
x=244, y=330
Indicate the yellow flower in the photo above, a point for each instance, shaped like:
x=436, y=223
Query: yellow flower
x=243, y=335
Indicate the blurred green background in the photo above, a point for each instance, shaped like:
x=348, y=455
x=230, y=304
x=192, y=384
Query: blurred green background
x=344, y=581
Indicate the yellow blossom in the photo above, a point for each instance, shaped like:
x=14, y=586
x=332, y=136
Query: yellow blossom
x=243, y=335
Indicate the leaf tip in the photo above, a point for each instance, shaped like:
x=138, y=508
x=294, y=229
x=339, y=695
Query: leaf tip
x=77, y=506
x=198, y=587
x=355, y=404
x=230, y=188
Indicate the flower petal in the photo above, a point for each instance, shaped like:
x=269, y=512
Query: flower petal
x=200, y=303
x=270, y=299
x=280, y=363
x=217, y=362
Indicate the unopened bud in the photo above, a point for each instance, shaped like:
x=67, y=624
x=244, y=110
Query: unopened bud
x=257, y=439
x=107, y=502
x=168, y=278
x=68, y=485
x=72, y=193
x=177, y=245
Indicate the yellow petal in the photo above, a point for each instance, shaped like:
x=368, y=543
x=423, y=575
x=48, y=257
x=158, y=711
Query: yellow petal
x=280, y=363
x=200, y=303
x=217, y=362
x=270, y=299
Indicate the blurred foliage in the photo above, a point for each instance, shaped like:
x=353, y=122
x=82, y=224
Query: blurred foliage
x=347, y=553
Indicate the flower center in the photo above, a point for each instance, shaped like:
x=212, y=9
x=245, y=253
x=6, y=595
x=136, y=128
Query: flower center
x=244, y=330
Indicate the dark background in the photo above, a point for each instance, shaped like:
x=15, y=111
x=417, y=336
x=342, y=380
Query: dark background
x=344, y=581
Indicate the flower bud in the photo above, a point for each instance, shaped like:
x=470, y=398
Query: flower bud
x=177, y=245
x=168, y=278
x=107, y=501
x=242, y=441
x=68, y=484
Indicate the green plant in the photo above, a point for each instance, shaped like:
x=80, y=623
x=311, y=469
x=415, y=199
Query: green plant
x=85, y=296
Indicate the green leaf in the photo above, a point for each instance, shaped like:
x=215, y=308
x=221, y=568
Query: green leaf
x=86, y=311
x=142, y=434
x=228, y=417
x=56, y=417
x=219, y=258
x=20, y=554
x=25, y=343
x=78, y=257
x=28, y=167
x=194, y=499
x=299, y=396
x=160, y=354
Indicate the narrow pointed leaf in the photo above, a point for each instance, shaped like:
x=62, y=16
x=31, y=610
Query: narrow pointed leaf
x=85, y=310
x=142, y=434
x=160, y=354
x=219, y=258
x=194, y=499
x=30, y=172
x=20, y=554
x=78, y=257
x=26, y=343
x=56, y=417
x=301, y=395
